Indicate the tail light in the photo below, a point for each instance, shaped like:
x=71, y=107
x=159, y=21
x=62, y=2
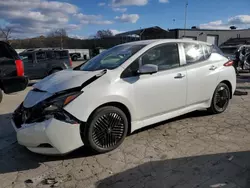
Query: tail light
x=19, y=67
x=70, y=62
x=229, y=63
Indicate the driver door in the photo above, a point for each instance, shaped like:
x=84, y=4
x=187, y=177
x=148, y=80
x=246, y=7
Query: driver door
x=162, y=92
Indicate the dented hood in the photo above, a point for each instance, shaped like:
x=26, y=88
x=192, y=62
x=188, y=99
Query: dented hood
x=64, y=80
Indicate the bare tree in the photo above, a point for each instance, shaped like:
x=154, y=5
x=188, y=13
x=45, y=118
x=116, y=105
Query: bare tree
x=104, y=33
x=6, y=33
x=58, y=33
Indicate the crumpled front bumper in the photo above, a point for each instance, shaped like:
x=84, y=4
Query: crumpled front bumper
x=49, y=137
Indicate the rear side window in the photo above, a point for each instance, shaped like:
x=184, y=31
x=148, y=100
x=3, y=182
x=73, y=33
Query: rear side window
x=50, y=54
x=40, y=56
x=193, y=53
x=207, y=51
x=61, y=54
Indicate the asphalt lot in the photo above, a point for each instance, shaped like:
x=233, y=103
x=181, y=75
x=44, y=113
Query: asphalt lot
x=194, y=150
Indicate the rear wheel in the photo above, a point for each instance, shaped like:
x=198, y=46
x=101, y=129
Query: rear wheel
x=106, y=129
x=74, y=58
x=220, y=99
x=1, y=95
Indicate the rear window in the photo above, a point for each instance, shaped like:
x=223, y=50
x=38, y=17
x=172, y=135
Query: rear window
x=6, y=51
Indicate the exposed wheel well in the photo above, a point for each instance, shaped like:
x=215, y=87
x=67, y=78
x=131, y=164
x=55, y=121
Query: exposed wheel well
x=230, y=87
x=121, y=107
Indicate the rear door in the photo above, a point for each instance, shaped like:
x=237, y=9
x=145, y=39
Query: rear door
x=41, y=64
x=202, y=73
x=29, y=65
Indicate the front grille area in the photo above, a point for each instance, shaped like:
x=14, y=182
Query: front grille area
x=27, y=115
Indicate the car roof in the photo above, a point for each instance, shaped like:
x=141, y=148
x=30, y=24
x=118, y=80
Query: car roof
x=30, y=51
x=160, y=41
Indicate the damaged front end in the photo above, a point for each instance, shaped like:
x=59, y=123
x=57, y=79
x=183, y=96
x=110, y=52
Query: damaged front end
x=51, y=107
x=40, y=105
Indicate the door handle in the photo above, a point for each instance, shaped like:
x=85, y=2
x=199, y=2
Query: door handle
x=179, y=75
x=212, y=67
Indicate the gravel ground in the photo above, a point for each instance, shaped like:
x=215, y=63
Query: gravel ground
x=194, y=150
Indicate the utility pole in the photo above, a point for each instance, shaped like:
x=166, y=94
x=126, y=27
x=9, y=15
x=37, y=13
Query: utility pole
x=185, y=24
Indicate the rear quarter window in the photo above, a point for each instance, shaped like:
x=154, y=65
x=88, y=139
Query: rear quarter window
x=207, y=50
x=193, y=52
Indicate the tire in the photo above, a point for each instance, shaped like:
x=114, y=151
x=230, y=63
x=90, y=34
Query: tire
x=74, y=58
x=220, y=100
x=1, y=95
x=103, y=126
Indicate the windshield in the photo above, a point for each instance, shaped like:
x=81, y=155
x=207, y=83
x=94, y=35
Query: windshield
x=111, y=58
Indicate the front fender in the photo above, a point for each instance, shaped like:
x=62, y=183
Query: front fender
x=83, y=106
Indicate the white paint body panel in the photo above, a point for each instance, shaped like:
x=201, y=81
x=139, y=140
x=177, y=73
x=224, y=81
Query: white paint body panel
x=63, y=80
x=62, y=136
x=148, y=98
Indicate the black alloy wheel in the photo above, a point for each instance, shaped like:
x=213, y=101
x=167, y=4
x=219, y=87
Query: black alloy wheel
x=220, y=99
x=106, y=129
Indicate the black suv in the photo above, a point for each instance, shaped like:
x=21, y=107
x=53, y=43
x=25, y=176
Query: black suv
x=12, y=77
x=39, y=63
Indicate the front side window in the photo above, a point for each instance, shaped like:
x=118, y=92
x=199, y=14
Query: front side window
x=111, y=58
x=193, y=53
x=165, y=57
x=40, y=56
x=26, y=58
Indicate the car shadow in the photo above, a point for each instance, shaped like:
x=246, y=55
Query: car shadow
x=198, y=113
x=204, y=171
x=15, y=157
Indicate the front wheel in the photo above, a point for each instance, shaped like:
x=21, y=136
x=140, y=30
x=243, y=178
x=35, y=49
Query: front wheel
x=220, y=99
x=106, y=129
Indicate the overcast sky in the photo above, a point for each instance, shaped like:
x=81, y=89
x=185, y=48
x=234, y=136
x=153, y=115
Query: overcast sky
x=82, y=18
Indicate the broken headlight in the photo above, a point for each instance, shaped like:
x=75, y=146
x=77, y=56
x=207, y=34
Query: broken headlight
x=60, y=101
x=54, y=107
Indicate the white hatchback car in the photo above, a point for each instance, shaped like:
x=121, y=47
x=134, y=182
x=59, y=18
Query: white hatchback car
x=123, y=89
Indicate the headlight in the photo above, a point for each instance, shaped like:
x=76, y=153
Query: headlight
x=60, y=101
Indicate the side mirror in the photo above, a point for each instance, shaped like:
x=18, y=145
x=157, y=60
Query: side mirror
x=148, y=69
